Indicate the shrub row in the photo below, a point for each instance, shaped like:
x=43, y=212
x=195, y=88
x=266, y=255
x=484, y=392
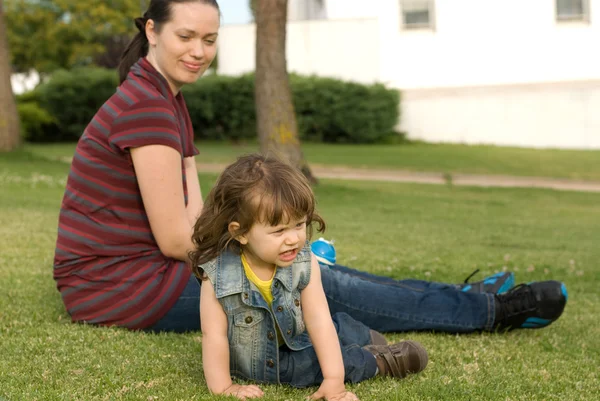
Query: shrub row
x=221, y=107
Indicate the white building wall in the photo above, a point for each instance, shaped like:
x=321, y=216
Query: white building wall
x=302, y=10
x=344, y=49
x=488, y=42
x=493, y=71
x=562, y=115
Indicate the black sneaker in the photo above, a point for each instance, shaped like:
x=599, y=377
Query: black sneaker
x=498, y=283
x=530, y=306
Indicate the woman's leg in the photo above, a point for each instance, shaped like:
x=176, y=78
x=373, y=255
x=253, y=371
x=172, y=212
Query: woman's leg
x=384, y=304
x=407, y=283
x=497, y=283
x=185, y=314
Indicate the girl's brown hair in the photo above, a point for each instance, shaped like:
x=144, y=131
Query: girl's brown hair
x=254, y=188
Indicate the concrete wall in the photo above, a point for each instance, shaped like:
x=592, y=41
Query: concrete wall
x=492, y=71
x=560, y=115
x=488, y=42
x=344, y=49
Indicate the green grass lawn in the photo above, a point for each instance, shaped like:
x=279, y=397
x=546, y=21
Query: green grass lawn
x=443, y=158
x=421, y=231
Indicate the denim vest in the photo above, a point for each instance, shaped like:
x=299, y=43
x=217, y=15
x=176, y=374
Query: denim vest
x=251, y=330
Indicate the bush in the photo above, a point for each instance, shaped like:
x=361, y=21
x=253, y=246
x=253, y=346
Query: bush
x=73, y=98
x=36, y=123
x=330, y=110
x=327, y=110
x=222, y=107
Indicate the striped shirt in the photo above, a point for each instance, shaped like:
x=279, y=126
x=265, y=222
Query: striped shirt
x=107, y=265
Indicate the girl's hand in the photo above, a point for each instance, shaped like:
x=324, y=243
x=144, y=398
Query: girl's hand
x=244, y=392
x=333, y=390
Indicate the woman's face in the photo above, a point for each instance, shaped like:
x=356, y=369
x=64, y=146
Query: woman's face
x=186, y=44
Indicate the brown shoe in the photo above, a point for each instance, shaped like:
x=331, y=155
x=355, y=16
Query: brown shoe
x=400, y=359
x=377, y=338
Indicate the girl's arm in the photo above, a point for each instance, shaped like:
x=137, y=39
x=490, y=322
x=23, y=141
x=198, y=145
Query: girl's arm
x=323, y=336
x=194, y=205
x=158, y=172
x=215, y=348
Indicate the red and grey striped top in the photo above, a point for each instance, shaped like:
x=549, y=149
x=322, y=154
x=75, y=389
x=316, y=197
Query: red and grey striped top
x=107, y=266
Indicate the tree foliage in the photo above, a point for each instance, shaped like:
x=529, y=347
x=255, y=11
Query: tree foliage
x=46, y=35
x=10, y=137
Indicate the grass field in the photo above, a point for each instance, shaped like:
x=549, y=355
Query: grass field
x=437, y=233
x=442, y=158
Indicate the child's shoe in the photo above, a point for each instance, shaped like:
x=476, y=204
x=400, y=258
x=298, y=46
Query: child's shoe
x=377, y=338
x=400, y=359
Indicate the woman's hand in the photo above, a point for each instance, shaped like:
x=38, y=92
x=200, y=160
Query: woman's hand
x=333, y=390
x=244, y=392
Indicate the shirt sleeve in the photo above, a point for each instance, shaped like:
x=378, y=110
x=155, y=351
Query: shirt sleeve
x=149, y=122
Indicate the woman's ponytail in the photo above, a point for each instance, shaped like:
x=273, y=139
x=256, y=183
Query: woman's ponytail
x=138, y=47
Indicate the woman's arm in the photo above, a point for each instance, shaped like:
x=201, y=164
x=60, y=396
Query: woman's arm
x=158, y=172
x=323, y=335
x=194, y=205
x=215, y=348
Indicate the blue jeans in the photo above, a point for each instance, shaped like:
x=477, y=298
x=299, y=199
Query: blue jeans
x=302, y=369
x=381, y=303
x=185, y=314
x=385, y=304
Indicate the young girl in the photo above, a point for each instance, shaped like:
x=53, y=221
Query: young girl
x=265, y=317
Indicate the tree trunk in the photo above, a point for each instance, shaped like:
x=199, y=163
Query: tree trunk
x=275, y=114
x=10, y=135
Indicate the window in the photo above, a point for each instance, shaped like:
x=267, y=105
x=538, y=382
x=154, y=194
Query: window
x=417, y=14
x=573, y=10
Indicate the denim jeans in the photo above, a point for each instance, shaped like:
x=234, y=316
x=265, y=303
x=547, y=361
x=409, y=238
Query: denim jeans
x=385, y=304
x=381, y=303
x=302, y=369
x=185, y=314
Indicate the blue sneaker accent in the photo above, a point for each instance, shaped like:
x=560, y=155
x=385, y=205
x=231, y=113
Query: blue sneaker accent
x=497, y=283
x=563, y=289
x=508, y=284
x=537, y=320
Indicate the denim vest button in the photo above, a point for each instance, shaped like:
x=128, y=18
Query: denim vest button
x=271, y=336
x=276, y=284
x=289, y=332
x=270, y=363
x=280, y=309
x=245, y=295
x=296, y=302
x=249, y=319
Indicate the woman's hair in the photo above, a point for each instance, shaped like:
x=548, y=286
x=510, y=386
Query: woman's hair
x=158, y=11
x=254, y=188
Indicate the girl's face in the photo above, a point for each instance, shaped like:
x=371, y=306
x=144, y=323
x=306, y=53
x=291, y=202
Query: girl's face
x=266, y=246
x=186, y=45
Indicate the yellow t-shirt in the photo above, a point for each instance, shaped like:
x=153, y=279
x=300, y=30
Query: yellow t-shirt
x=265, y=290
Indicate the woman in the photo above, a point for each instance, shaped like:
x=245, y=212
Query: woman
x=133, y=196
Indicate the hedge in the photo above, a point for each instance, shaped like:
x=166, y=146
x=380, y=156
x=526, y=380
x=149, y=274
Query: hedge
x=221, y=107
